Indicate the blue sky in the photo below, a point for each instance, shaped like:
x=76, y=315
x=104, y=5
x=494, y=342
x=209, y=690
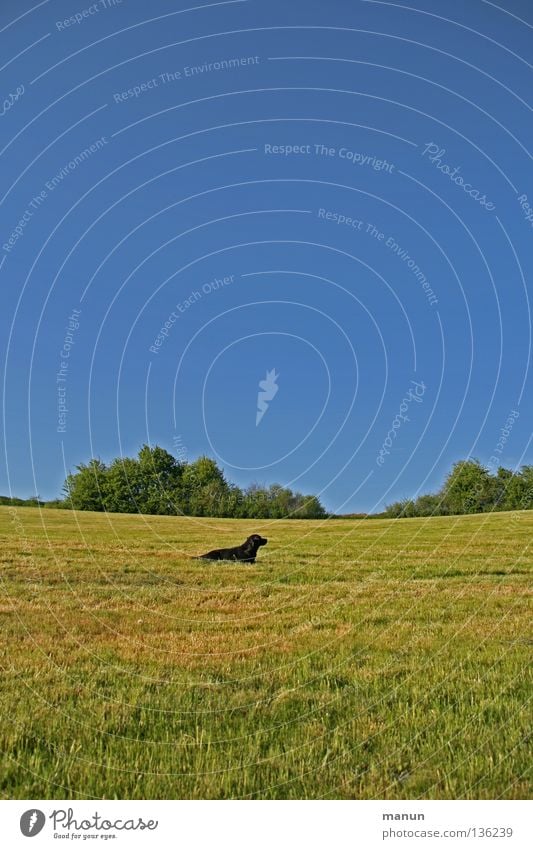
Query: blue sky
x=339, y=192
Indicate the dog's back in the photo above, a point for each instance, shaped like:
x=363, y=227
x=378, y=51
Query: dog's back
x=218, y=554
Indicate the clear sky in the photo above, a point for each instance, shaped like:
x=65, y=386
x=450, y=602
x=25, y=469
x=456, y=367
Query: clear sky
x=196, y=194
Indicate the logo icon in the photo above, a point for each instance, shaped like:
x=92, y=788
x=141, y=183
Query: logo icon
x=269, y=389
x=32, y=822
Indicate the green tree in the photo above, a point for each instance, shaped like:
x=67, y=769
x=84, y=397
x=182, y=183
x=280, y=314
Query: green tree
x=281, y=502
x=431, y=504
x=156, y=482
x=307, y=507
x=519, y=490
x=256, y=504
x=498, y=488
x=124, y=490
x=468, y=488
x=405, y=509
x=160, y=476
x=204, y=488
x=232, y=502
x=87, y=488
x=394, y=510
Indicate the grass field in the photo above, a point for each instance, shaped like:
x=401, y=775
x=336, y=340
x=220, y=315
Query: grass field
x=356, y=659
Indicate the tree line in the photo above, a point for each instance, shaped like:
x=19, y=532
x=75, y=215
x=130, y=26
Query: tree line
x=156, y=482
x=471, y=488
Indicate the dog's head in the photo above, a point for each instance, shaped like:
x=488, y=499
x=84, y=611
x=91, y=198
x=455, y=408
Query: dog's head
x=255, y=541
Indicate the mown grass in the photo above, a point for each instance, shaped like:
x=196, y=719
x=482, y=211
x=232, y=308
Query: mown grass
x=355, y=659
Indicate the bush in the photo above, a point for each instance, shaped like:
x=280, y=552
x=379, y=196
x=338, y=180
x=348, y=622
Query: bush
x=471, y=488
x=156, y=483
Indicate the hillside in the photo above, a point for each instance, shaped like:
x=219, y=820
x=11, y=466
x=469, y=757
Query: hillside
x=355, y=659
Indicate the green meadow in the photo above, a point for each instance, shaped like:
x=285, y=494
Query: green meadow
x=355, y=659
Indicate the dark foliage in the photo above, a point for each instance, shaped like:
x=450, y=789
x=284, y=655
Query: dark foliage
x=156, y=482
x=471, y=488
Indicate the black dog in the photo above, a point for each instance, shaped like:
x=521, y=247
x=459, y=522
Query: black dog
x=246, y=552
